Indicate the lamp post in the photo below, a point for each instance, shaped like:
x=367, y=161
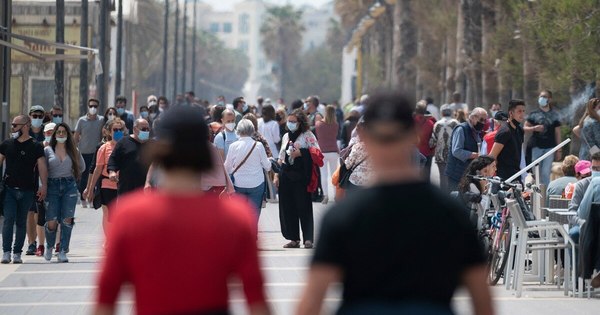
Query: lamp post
x=194, y=45
x=175, y=50
x=59, y=65
x=165, y=49
x=118, y=75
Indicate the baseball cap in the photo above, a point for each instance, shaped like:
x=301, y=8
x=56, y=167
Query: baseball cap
x=37, y=108
x=49, y=126
x=583, y=167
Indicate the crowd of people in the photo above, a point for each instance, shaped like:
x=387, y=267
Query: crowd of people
x=182, y=160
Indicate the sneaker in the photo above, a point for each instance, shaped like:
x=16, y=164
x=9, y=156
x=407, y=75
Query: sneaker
x=48, y=253
x=31, y=249
x=62, y=257
x=5, y=258
x=40, y=251
x=325, y=200
x=17, y=259
x=84, y=204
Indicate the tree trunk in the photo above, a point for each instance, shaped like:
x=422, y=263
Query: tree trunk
x=419, y=68
x=450, y=67
x=490, y=72
x=459, y=75
x=472, y=50
x=530, y=82
x=405, y=48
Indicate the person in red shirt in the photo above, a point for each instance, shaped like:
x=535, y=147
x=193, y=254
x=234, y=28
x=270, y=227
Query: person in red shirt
x=166, y=277
x=425, y=125
x=488, y=140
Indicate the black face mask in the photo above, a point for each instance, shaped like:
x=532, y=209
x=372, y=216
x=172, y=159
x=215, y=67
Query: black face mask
x=278, y=118
x=479, y=126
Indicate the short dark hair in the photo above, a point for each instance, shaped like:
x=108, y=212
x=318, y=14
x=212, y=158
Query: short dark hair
x=183, y=141
x=268, y=113
x=596, y=156
x=57, y=107
x=237, y=101
x=190, y=93
x=93, y=100
x=429, y=100
x=218, y=113
x=297, y=104
x=389, y=107
x=547, y=92
x=514, y=103
x=314, y=100
x=303, y=124
x=121, y=98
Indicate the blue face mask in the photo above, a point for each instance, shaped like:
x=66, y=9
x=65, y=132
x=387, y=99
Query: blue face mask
x=543, y=101
x=120, y=111
x=245, y=108
x=144, y=135
x=305, y=106
x=595, y=173
x=57, y=120
x=144, y=115
x=118, y=135
x=47, y=138
x=292, y=126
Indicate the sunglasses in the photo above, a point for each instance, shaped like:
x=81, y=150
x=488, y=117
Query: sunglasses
x=144, y=129
x=15, y=125
x=94, y=106
x=117, y=129
x=57, y=115
x=61, y=132
x=37, y=116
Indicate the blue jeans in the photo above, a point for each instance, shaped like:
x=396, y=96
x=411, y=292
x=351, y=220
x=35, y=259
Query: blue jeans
x=16, y=206
x=255, y=195
x=545, y=166
x=61, y=201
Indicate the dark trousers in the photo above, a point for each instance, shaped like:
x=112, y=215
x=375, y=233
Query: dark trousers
x=295, y=206
x=427, y=169
x=84, y=177
x=443, y=177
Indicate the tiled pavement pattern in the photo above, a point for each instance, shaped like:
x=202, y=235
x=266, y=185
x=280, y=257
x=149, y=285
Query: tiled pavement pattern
x=38, y=287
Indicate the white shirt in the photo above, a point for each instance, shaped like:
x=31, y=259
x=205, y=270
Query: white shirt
x=270, y=131
x=250, y=174
x=434, y=111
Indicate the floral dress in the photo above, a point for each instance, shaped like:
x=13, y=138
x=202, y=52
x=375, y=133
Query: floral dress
x=306, y=140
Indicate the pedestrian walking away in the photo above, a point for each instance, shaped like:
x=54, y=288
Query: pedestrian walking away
x=180, y=210
x=22, y=155
x=366, y=228
x=65, y=166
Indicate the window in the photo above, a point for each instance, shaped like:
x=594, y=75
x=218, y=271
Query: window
x=227, y=28
x=214, y=27
x=243, y=46
x=244, y=23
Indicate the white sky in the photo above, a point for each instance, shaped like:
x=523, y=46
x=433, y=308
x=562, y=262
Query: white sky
x=225, y=5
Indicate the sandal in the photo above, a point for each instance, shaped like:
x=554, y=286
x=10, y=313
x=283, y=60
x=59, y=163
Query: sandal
x=292, y=244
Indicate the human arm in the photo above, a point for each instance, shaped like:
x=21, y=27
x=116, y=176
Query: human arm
x=475, y=280
x=220, y=144
x=77, y=134
x=586, y=203
x=530, y=127
x=264, y=159
x=577, y=131
x=149, y=175
x=98, y=167
x=43, y=170
x=114, y=162
x=320, y=277
x=496, y=149
x=275, y=133
x=458, y=143
x=81, y=163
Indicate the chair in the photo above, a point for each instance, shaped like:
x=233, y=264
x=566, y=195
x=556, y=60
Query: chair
x=521, y=244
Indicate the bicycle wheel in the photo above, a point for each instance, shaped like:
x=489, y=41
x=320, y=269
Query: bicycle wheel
x=500, y=254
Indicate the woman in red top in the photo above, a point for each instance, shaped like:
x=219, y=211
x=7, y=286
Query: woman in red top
x=425, y=125
x=166, y=277
x=327, y=134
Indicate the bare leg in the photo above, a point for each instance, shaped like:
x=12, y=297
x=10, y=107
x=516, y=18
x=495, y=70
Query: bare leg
x=105, y=219
x=31, y=226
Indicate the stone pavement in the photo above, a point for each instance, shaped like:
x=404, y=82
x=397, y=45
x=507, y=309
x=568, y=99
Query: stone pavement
x=38, y=287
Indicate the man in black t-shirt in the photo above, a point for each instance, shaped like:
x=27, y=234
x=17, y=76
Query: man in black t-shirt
x=22, y=154
x=383, y=242
x=126, y=159
x=508, y=144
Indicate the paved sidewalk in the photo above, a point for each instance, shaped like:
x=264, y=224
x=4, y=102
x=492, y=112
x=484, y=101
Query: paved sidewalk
x=38, y=287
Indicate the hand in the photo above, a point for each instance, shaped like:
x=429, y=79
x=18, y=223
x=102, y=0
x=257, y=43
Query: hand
x=539, y=128
x=85, y=194
x=41, y=193
x=276, y=181
x=147, y=187
x=474, y=155
x=113, y=176
x=224, y=194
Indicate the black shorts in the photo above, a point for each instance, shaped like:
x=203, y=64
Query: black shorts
x=107, y=196
x=41, y=212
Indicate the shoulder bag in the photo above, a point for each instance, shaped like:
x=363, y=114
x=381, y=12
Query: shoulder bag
x=243, y=161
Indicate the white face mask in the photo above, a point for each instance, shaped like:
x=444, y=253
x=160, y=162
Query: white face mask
x=111, y=116
x=61, y=140
x=92, y=110
x=15, y=135
x=230, y=126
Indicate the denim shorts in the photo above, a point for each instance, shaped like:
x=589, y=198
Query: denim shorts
x=61, y=198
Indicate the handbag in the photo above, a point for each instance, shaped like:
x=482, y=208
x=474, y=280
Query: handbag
x=243, y=161
x=345, y=173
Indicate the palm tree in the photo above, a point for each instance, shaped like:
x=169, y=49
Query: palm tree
x=282, y=40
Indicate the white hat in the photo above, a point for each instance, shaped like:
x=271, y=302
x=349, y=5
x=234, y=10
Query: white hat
x=49, y=126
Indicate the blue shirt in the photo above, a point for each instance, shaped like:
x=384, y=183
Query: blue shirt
x=224, y=143
x=592, y=195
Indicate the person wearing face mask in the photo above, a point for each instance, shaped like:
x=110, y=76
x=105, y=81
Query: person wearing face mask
x=295, y=202
x=491, y=123
x=57, y=114
x=508, y=143
x=145, y=113
x=240, y=107
x=124, y=165
x=22, y=155
x=228, y=136
x=464, y=146
x=123, y=113
x=108, y=188
x=88, y=133
x=544, y=124
x=65, y=166
x=36, y=114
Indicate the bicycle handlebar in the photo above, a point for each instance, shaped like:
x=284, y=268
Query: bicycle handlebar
x=494, y=180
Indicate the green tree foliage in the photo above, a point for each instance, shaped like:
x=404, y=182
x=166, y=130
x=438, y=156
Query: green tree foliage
x=281, y=35
x=318, y=72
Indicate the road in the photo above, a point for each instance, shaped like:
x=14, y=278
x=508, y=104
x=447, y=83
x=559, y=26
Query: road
x=38, y=287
